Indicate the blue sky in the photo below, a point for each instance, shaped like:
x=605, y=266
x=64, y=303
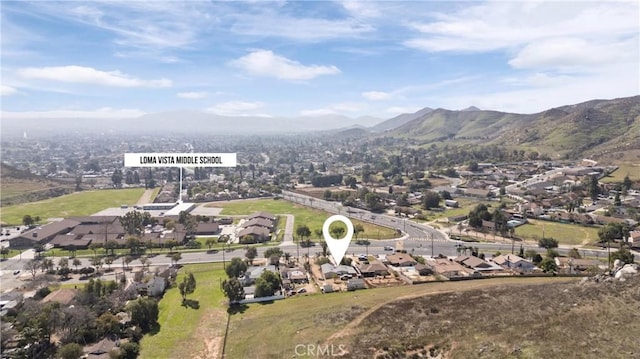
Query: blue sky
x=116, y=59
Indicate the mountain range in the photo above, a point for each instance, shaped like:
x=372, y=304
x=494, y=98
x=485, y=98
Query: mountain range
x=593, y=128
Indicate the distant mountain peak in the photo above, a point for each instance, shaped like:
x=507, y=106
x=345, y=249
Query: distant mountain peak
x=471, y=108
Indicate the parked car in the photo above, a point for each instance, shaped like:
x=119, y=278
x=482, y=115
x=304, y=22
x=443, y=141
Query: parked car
x=302, y=290
x=16, y=272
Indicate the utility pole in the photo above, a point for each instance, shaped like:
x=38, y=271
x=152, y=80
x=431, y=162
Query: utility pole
x=431, y=235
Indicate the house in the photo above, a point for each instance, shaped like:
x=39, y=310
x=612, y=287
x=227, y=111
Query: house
x=263, y=215
x=259, y=222
x=575, y=264
x=156, y=286
x=294, y=275
x=331, y=271
x=477, y=264
x=43, y=234
x=401, y=260
x=488, y=225
x=374, y=268
x=451, y=203
x=70, y=240
x=448, y=268
x=476, y=192
x=207, y=229
x=254, y=234
x=101, y=349
x=423, y=269
x=514, y=262
x=355, y=284
x=64, y=296
x=254, y=273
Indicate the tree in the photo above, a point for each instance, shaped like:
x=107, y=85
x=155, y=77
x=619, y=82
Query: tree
x=175, y=258
x=624, y=255
x=116, y=178
x=268, y=283
x=303, y=231
x=251, y=254
x=27, y=220
x=626, y=184
x=107, y=323
x=96, y=262
x=171, y=244
x=94, y=247
x=129, y=350
x=187, y=286
x=548, y=265
x=32, y=266
x=325, y=248
x=47, y=264
x=573, y=253
x=70, y=351
x=210, y=242
x=273, y=251
x=357, y=229
x=134, y=221
x=76, y=262
x=111, y=246
x=233, y=289
x=478, y=214
x=593, y=188
x=337, y=231
x=547, y=243
x=236, y=267
x=144, y=313
x=4, y=252
x=134, y=245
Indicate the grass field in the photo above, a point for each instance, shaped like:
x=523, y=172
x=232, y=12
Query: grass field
x=75, y=204
x=631, y=170
x=314, y=219
x=187, y=332
x=570, y=234
x=274, y=330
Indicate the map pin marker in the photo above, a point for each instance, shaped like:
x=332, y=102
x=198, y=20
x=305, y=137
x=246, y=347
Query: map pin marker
x=337, y=247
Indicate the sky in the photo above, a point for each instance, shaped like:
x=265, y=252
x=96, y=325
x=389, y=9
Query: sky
x=121, y=59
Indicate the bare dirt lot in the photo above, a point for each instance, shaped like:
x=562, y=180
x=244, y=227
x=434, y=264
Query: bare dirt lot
x=557, y=320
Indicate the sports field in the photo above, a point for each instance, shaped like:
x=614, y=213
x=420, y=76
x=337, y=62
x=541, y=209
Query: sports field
x=75, y=204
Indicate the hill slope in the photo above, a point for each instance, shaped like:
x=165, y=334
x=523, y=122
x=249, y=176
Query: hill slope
x=517, y=321
x=19, y=186
x=594, y=128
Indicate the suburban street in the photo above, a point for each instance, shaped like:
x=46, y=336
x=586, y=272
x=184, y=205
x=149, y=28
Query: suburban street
x=417, y=239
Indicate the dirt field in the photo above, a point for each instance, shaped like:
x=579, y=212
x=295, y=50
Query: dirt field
x=558, y=320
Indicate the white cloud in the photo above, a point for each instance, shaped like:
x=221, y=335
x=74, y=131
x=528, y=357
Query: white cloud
x=137, y=24
x=504, y=25
x=192, y=95
x=101, y=113
x=237, y=108
x=7, y=90
x=266, y=63
x=273, y=24
x=571, y=52
x=88, y=75
x=377, y=95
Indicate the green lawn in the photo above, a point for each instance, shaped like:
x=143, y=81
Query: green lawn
x=633, y=171
x=571, y=234
x=186, y=331
x=75, y=204
x=273, y=330
x=313, y=218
